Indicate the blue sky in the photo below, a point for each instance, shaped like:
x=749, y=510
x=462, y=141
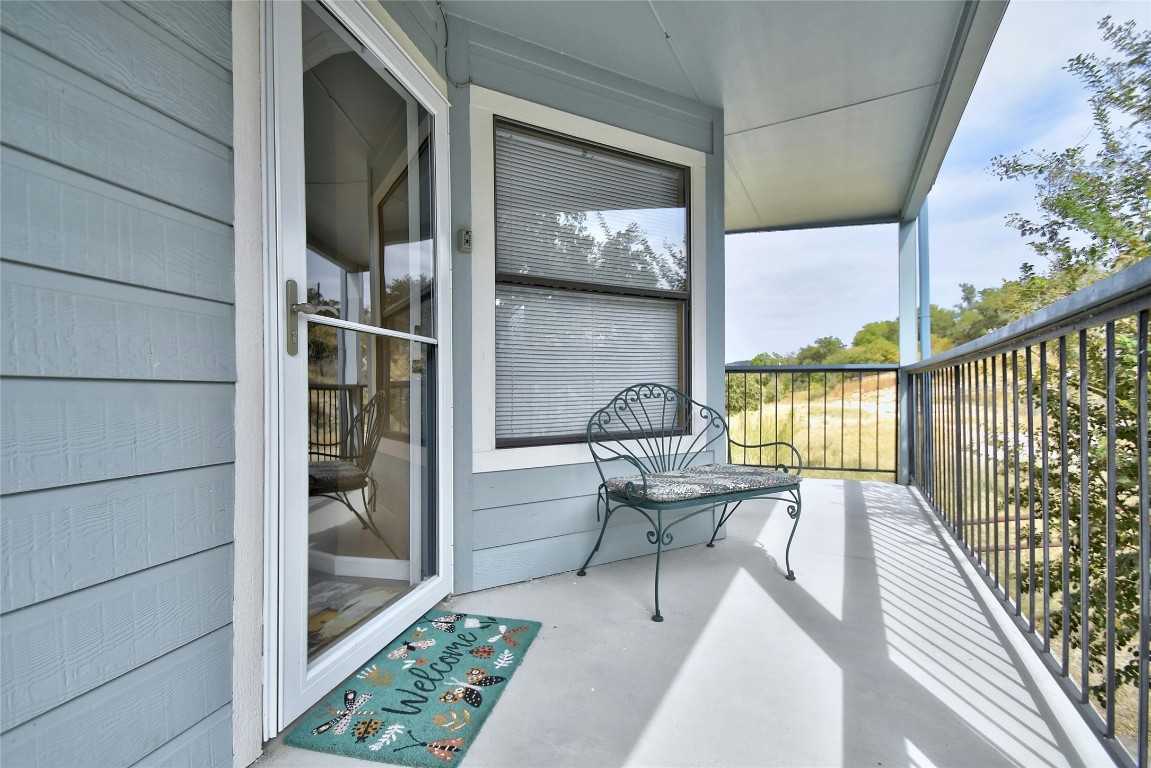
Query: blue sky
x=836, y=280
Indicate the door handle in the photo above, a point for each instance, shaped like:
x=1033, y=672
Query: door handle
x=296, y=308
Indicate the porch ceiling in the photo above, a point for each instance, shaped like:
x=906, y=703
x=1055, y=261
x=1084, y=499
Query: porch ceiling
x=835, y=112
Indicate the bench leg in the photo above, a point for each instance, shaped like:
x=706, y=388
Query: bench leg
x=606, y=515
x=723, y=518
x=793, y=511
x=659, y=536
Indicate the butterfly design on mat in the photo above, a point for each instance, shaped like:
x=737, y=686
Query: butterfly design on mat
x=470, y=691
x=339, y=723
x=447, y=623
x=416, y=645
x=444, y=749
x=508, y=635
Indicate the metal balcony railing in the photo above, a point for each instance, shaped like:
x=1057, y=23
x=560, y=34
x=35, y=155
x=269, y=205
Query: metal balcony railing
x=1032, y=445
x=841, y=418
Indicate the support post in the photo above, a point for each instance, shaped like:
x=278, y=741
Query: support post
x=908, y=350
x=924, y=284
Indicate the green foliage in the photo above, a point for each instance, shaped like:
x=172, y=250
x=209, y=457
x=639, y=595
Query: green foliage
x=879, y=330
x=819, y=351
x=1095, y=209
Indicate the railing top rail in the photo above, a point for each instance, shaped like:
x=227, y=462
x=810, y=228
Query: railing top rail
x=1114, y=296
x=881, y=367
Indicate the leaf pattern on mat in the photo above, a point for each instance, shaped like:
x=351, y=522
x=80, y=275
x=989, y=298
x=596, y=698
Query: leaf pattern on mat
x=506, y=659
x=389, y=736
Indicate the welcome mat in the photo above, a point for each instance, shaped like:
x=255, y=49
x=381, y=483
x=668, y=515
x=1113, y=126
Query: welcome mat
x=422, y=699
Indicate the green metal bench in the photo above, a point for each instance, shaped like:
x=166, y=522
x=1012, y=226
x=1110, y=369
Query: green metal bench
x=648, y=427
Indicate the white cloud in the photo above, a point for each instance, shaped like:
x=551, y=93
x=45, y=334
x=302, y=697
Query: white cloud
x=786, y=289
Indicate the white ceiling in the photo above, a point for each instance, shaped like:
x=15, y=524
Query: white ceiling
x=835, y=111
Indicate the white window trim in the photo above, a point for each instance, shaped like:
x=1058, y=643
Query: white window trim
x=486, y=106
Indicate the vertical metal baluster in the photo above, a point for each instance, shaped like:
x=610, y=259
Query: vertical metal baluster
x=979, y=421
x=1144, y=542
x=918, y=470
x=1006, y=485
x=987, y=449
x=1111, y=532
x=959, y=452
x=1015, y=443
x=759, y=411
x=960, y=455
x=790, y=417
x=954, y=440
x=994, y=473
x=929, y=431
x=973, y=457
x=775, y=425
x=1030, y=493
x=1084, y=528
x=985, y=469
x=825, y=417
x=1045, y=445
x=969, y=439
x=745, y=415
x=1065, y=524
x=859, y=443
x=807, y=404
x=843, y=416
x=944, y=446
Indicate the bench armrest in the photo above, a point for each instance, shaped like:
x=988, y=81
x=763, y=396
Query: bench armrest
x=797, y=466
x=643, y=473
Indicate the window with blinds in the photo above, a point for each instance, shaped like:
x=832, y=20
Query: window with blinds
x=591, y=281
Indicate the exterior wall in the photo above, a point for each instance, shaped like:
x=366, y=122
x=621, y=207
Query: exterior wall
x=517, y=524
x=117, y=357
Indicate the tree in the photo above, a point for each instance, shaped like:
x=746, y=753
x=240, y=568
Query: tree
x=1095, y=207
x=879, y=330
x=818, y=351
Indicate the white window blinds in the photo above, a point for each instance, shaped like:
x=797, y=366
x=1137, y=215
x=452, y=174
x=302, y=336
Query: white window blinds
x=562, y=354
x=584, y=215
x=591, y=283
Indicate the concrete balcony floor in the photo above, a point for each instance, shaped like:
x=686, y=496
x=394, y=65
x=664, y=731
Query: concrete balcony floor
x=887, y=651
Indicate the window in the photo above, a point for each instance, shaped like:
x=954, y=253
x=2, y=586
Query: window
x=592, y=284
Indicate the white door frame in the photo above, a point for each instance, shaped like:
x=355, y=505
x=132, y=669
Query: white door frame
x=290, y=684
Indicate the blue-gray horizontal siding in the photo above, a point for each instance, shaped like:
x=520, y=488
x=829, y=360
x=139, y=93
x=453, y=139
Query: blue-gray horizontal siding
x=67, y=221
x=207, y=743
x=76, y=327
x=116, y=410
x=536, y=522
x=61, y=432
x=109, y=529
x=62, y=115
x=153, y=65
x=129, y=718
x=56, y=650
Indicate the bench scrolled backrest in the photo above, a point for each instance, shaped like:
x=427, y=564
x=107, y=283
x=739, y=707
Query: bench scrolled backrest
x=649, y=426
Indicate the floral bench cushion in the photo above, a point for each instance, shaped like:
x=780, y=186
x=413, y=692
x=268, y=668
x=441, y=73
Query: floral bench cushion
x=700, y=482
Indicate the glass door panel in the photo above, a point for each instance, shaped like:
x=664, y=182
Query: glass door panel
x=360, y=522
x=370, y=275
x=369, y=477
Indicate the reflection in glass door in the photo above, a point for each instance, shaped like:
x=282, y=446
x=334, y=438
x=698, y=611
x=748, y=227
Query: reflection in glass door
x=359, y=503
x=370, y=343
